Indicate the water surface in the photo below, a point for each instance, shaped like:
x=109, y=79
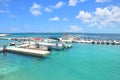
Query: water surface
x=82, y=62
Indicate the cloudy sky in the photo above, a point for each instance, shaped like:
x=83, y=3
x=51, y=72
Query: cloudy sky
x=91, y=16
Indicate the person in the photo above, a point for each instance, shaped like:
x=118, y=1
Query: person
x=37, y=45
x=56, y=44
x=49, y=48
x=63, y=44
x=4, y=49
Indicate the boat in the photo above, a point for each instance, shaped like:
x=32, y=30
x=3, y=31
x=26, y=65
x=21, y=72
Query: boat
x=53, y=46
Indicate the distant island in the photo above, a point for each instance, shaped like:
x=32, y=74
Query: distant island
x=1, y=34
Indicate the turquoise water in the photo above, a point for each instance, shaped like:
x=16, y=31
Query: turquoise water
x=82, y=62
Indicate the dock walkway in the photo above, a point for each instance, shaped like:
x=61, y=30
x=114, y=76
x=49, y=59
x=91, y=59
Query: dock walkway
x=115, y=42
x=31, y=52
x=25, y=51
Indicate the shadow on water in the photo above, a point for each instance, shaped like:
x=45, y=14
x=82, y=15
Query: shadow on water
x=39, y=58
x=7, y=54
x=2, y=77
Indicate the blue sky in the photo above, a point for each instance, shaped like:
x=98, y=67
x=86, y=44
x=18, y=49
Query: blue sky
x=91, y=16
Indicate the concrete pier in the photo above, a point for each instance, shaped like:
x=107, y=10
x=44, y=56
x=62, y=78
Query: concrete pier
x=25, y=51
x=30, y=52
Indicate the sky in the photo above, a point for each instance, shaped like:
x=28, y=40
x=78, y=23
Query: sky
x=84, y=16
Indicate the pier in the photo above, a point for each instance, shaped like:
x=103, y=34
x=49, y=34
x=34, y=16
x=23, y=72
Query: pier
x=40, y=47
x=26, y=51
x=89, y=40
x=107, y=42
x=92, y=41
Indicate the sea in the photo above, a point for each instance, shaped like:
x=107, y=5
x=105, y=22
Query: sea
x=81, y=62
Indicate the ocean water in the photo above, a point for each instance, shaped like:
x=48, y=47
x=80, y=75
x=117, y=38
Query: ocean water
x=82, y=62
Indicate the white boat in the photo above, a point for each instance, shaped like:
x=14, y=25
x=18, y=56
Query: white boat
x=54, y=46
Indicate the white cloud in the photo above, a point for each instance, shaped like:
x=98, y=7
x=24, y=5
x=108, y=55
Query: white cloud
x=82, y=0
x=14, y=29
x=59, y=4
x=65, y=19
x=26, y=27
x=74, y=28
x=22, y=8
x=102, y=12
x=102, y=17
x=47, y=9
x=13, y=16
x=54, y=19
x=73, y=2
x=84, y=16
x=4, y=6
x=35, y=9
x=4, y=11
x=101, y=1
